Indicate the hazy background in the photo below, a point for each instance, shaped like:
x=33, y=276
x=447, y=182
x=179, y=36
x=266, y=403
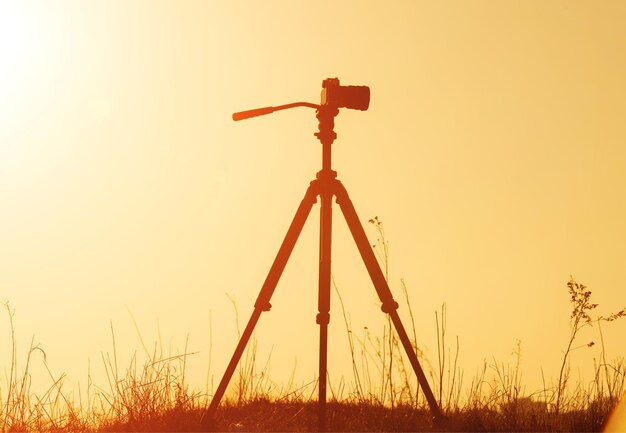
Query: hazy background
x=494, y=152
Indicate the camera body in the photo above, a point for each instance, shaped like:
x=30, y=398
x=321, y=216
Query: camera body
x=354, y=97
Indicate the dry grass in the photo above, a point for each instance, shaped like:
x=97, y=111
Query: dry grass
x=155, y=396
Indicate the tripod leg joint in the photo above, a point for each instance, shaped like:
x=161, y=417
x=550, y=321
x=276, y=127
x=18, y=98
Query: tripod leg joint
x=322, y=318
x=262, y=305
x=389, y=306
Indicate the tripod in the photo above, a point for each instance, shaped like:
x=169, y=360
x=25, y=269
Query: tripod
x=325, y=185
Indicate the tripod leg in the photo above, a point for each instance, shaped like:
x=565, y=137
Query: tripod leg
x=389, y=305
x=263, y=301
x=323, y=306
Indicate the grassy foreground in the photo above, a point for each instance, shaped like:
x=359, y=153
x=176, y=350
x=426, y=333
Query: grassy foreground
x=155, y=396
x=266, y=415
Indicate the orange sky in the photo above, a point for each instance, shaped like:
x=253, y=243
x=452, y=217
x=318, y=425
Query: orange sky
x=493, y=151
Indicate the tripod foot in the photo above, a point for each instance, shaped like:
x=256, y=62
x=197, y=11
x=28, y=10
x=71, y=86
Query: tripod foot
x=441, y=422
x=208, y=423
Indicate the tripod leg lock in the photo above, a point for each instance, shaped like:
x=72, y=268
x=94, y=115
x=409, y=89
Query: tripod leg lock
x=262, y=305
x=322, y=318
x=389, y=306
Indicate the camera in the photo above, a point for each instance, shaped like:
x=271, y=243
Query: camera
x=354, y=97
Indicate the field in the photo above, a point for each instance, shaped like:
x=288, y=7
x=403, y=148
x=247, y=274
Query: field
x=155, y=396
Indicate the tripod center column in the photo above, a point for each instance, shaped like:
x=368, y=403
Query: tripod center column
x=326, y=116
x=326, y=135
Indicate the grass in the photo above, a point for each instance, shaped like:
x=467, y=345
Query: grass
x=383, y=394
x=156, y=397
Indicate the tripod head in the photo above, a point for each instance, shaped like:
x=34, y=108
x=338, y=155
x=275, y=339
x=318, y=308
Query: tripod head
x=334, y=97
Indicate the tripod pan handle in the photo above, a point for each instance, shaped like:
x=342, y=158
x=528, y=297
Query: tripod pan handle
x=252, y=113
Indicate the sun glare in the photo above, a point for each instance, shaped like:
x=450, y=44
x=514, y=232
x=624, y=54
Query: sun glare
x=18, y=50
x=18, y=46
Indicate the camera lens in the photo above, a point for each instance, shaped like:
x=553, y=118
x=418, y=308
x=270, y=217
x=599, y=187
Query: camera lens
x=354, y=97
